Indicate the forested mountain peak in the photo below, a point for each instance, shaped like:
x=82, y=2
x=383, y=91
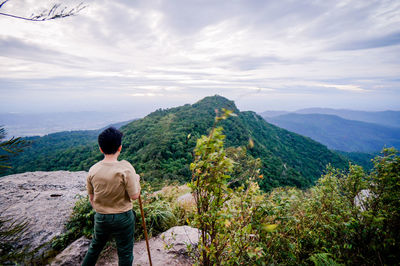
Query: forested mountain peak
x=208, y=104
x=217, y=102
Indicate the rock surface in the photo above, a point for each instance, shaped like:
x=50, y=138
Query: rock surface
x=73, y=254
x=44, y=199
x=176, y=238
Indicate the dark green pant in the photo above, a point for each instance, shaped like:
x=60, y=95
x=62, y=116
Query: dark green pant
x=121, y=226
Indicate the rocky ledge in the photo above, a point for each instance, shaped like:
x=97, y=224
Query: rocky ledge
x=176, y=239
x=44, y=199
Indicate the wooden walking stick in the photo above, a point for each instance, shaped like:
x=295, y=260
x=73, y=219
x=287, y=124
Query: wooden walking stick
x=145, y=231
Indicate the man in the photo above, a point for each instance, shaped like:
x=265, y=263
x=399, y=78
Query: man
x=111, y=185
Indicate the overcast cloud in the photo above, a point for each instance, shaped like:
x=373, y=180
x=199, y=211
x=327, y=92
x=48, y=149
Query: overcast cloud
x=141, y=55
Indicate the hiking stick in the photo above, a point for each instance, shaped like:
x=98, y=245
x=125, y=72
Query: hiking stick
x=145, y=231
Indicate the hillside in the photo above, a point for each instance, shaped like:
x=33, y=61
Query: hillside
x=338, y=133
x=159, y=147
x=58, y=151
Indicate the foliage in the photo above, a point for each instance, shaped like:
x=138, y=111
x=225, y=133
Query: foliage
x=323, y=259
x=209, y=187
x=359, y=158
x=324, y=225
x=381, y=220
x=73, y=151
x=9, y=147
x=11, y=232
x=227, y=218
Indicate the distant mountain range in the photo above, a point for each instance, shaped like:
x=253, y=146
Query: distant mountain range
x=340, y=130
x=386, y=118
x=159, y=147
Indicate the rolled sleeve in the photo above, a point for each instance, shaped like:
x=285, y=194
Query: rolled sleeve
x=89, y=186
x=132, y=182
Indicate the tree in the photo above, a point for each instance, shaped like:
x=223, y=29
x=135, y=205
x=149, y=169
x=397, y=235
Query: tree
x=210, y=171
x=55, y=12
x=9, y=147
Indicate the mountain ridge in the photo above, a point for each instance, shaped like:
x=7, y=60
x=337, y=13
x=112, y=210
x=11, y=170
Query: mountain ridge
x=390, y=118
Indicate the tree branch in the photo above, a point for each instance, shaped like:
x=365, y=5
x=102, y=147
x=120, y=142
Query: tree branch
x=48, y=14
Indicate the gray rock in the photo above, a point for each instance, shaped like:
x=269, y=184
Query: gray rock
x=176, y=237
x=73, y=255
x=361, y=199
x=186, y=198
x=44, y=199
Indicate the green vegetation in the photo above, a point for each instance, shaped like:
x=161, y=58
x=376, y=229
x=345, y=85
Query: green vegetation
x=360, y=158
x=69, y=150
x=326, y=220
x=323, y=225
x=210, y=190
x=11, y=232
x=223, y=215
x=160, y=146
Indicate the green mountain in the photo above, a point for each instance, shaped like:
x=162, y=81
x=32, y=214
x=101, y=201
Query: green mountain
x=67, y=150
x=361, y=158
x=160, y=146
x=338, y=133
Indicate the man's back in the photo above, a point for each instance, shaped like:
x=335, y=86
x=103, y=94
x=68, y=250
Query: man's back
x=112, y=184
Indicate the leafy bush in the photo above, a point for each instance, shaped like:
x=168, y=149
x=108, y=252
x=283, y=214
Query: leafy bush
x=323, y=225
x=380, y=227
x=227, y=219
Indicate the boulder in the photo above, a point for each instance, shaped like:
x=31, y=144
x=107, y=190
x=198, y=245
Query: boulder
x=73, y=254
x=44, y=199
x=176, y=238
x=361, y=199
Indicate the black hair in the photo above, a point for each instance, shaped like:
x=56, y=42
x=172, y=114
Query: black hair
x=110, y=140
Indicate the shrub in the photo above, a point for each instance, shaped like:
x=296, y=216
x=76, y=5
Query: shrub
x=322, y=225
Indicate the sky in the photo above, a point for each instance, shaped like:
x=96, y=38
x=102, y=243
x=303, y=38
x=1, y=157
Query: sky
x=138, y=56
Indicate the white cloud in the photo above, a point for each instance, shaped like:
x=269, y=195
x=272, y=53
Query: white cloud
x=343, y=87
x=190, y=49
x=148, y=94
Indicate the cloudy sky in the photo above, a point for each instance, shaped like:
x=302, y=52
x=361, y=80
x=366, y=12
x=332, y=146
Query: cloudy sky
x=141, y=55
